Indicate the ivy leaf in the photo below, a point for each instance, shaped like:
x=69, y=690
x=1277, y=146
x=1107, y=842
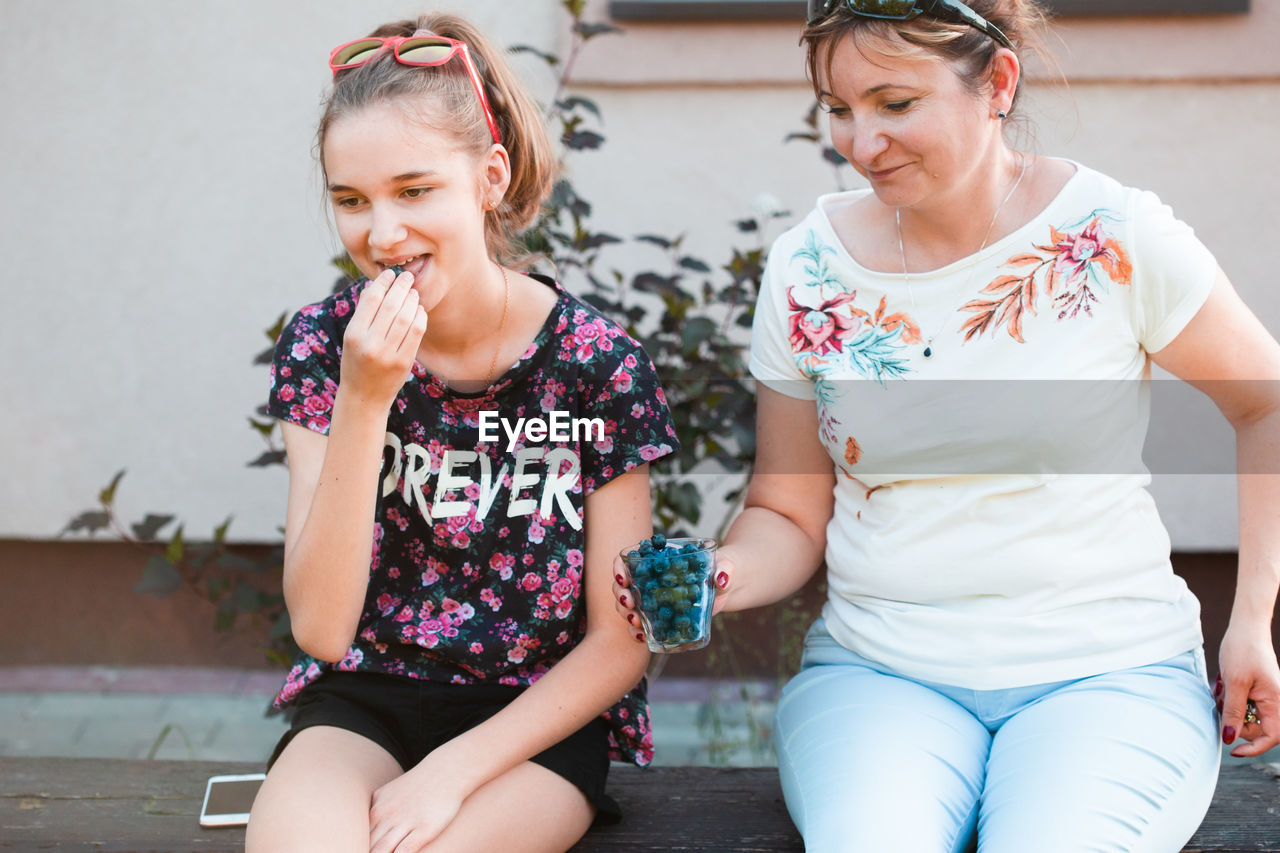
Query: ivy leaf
x=282, y=626
x=150, y=525
x=159, y=578
x=832, y=156
x=198, y=554
x=575, y=101
x=236, y=562
x=691, y=263
x=600, y=303
x=549, y=58
x=217, y=587
x=91, y=520
x=220, y=532
x=695, y=333
x=807, y=137
x=747, y=226
x=686, y=501
x=275, y=329
x=582, y=140
x=590, y=31
x=225, y=619
x=107, y=495
x=270, y=457
x=264, y=428
x=176, y=549
x=655, y=239
x=244, y=597
x=651, y=282
x=349, y=270
x=594, y=241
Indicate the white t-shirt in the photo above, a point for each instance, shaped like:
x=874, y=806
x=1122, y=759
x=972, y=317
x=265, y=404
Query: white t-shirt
x=992, y=525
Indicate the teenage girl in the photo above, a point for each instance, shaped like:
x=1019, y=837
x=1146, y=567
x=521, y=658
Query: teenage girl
x=464, y=678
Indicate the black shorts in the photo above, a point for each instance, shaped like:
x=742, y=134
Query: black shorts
x=410, y=717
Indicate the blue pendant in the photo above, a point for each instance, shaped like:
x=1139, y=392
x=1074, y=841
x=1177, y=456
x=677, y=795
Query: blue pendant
x=928, y=352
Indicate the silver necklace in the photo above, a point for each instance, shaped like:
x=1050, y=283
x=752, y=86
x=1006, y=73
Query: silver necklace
x=902, y=252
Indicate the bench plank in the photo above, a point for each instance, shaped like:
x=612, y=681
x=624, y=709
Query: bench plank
x=70, y=804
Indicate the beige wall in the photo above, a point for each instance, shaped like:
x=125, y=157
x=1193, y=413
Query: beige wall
x=163, y=206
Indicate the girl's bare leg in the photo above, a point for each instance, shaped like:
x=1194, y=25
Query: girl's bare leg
x=316, y=797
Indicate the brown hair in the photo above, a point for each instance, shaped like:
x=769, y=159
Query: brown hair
x=968, y=50
x=520, y=122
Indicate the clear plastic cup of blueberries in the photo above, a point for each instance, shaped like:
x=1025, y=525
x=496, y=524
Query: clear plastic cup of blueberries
x=672, y=581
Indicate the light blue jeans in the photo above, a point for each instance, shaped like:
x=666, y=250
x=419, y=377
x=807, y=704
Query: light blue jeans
x=872, y=762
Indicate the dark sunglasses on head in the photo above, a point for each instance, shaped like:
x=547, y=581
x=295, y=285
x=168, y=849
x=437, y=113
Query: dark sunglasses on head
x=951, y=11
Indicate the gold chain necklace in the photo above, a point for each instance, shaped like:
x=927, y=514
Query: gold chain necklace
x=897, y=215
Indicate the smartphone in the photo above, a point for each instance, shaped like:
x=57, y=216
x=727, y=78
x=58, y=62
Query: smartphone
x=228, y=799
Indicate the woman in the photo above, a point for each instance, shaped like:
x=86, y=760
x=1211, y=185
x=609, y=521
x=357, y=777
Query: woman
x=1005, y=658
x=464, y=680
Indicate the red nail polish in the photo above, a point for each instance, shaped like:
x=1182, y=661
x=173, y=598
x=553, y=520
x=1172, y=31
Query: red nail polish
x=631, y=620
x=1228, y=735
x=619, y=579
x=640, y=637
x=626, y=602
x=722, y=579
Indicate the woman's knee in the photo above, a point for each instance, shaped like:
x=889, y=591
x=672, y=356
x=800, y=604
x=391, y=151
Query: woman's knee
x=1126, y=761
x=870, y=761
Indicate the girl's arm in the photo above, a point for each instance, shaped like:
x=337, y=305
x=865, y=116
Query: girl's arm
x=1228, y=354
x=606, y=664
x=333, y=480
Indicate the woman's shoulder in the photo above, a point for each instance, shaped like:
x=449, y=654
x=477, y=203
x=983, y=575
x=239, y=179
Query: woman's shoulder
x=1089, y=187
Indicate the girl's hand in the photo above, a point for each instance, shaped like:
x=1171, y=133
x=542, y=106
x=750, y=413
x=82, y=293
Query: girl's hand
x=410, y=811
x=1249, y=670
x=382, y=338
x=625, y=601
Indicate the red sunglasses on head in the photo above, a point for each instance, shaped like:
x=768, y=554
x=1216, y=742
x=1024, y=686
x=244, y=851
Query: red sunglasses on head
x=414, y=50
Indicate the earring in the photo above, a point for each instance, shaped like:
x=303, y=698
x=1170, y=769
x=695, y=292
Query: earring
x=1001, y=114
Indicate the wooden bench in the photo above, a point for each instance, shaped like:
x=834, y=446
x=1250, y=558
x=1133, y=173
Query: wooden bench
x=105, y=804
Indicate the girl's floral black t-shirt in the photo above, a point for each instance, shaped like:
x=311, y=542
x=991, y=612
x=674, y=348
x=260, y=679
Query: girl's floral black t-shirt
x=477, y=565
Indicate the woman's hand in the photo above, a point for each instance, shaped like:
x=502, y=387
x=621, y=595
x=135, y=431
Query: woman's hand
x=624, y=597
x=382, y=338
x=1247, y=662
x=410, y=811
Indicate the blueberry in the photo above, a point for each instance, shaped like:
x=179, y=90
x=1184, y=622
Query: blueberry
x=670, y=579
x=646, y=547
x=689, y=548
x=397, y=269
x=659, y=541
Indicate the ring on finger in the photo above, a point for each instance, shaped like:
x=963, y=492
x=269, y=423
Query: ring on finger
x=1251, y=712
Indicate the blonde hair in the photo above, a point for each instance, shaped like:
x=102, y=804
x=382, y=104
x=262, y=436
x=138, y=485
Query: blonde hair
x=968, y=50
x=520, y=122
